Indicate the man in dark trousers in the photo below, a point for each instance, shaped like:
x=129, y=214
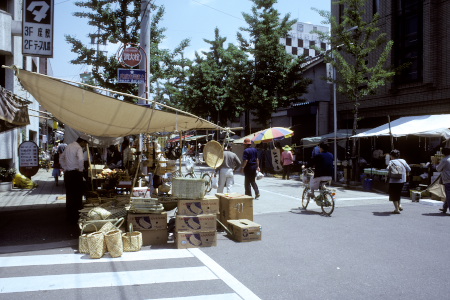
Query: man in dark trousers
x=72, y=161
x=250, y=166
x=324, y=166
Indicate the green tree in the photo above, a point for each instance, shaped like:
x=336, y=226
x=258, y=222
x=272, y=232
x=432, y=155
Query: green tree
x=212, y=81
x=276, y=77
x=359, y=54
x=118, y=22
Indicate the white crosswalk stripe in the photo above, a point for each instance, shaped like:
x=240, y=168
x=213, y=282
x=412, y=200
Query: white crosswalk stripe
x=206, y=271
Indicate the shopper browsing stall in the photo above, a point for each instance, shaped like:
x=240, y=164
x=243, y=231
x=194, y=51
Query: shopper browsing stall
x=231, y=163
x=250, y=166
x=72, y=161
x=444, y=168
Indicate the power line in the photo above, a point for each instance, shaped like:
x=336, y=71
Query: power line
x=218, y=10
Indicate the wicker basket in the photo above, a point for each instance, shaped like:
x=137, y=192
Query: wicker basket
x=132, y=241
x=83, y=245
x=188, y=188
x=97, y=245
x=114, y=245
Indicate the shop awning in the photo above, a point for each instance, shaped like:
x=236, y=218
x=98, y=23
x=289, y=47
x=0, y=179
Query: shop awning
x=96, y=114
x=424, y=126
x=340, y=134
x=13, y=110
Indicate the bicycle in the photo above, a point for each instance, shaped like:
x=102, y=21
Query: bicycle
x=325, y=199
x=207, y=176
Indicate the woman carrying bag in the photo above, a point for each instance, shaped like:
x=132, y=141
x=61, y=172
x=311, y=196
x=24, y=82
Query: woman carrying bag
x=397, y=172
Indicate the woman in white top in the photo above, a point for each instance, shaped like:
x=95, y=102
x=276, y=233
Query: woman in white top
x=396, y=184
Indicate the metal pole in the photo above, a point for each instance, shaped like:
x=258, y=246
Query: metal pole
x=334, y=120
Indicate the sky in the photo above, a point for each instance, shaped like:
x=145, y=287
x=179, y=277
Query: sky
x=193, y=19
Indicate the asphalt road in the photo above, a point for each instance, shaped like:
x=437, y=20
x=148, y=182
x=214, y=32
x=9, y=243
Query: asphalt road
x=360, y=252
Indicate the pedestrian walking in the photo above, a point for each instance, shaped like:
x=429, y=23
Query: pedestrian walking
x=250, y=165
x=397, y=173
x=287, y=160
x=231, y=163
x=56, y=167
x=444, y=168
x=72, y=161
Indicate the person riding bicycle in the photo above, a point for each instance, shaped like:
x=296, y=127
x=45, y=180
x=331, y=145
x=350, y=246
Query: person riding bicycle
x=324, y=167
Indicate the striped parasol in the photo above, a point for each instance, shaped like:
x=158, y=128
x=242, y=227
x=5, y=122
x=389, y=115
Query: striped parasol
x=270, y=134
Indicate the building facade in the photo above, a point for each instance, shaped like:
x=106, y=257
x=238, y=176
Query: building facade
x=420, y=30
x=11, y=54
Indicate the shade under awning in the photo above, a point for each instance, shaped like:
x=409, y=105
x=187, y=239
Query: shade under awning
x=100, y=115
x=13, y=111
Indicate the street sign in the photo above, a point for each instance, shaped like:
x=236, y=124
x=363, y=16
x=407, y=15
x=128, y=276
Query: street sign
x=131, y=76
x=131, y=56
x=28, y=158
x=37, y=28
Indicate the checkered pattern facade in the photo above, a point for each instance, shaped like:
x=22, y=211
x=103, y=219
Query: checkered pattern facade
x=300, y=41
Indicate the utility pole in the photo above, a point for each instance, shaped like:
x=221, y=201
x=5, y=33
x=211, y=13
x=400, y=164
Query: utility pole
x=144, y=88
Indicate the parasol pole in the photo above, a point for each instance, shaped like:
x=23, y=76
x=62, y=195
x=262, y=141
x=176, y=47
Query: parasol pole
x=390, y=132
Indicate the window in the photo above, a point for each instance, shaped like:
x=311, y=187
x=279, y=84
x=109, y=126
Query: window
x=300, y=27
x=408, y=40
x=4, y=5
x=288, y=41
x=323, y=46
x=312, y=43
x=2, y=71
x=375, y=6
x=314, y=28
x=294, y=51
x=300, y=43
x=306, y=52
x=341, y=13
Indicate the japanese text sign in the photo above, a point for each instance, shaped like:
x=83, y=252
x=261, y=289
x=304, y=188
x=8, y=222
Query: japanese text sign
x=37, y=31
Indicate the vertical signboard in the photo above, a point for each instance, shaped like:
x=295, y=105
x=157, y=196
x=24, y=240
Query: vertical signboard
x=37, y=31
x=28, y=158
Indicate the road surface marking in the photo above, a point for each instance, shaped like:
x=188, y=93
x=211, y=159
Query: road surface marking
x=205, y=297
x=62, y=259
x=104, y=279
x=222, y=274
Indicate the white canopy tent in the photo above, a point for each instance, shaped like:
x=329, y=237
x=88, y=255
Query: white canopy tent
x=340, y=134
x=100, y=115
x=423, y=126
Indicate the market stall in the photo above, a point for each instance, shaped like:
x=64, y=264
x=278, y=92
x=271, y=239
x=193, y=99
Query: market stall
x=425, y=127
x=97, y=115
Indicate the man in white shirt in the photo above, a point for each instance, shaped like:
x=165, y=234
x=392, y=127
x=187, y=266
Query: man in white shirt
x=72, y=161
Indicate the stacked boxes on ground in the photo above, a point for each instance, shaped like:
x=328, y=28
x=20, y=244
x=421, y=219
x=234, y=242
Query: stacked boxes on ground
x=196, y=220
x=236, y=212
x=153, y=227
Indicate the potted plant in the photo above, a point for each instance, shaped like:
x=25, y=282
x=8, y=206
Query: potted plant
x=6, y=177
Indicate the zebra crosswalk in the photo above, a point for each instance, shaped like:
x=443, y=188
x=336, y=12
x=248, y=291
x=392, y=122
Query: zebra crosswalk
x=151, y=274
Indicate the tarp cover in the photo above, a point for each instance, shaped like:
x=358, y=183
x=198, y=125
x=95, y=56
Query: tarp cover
x=340, y=134
x=100, y=115
x=424, y=126
x=13, y=111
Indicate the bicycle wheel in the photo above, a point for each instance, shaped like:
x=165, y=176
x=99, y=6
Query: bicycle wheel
x=327, y=203
x=305, y=198
x=189, y=175
x=207, y=179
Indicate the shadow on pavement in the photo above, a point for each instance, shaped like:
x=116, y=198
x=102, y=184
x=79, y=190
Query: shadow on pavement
x=301, y=211
x=438, y=214
x=382, y=214
x=36, y=229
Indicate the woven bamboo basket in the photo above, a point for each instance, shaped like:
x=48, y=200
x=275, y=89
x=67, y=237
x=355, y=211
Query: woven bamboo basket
x=114, y=245
x=132, y=240
x=188, y=188
x=97, y=245
x=83, y=245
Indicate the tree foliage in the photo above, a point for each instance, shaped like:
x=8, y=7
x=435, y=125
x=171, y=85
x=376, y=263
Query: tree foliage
x=359, y=53
x=276, y=78
x=118, y=21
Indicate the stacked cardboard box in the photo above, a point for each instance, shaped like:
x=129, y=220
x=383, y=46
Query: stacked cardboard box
x=152, y=226
x=234, y=207
x=244, y=230
x=196, y=223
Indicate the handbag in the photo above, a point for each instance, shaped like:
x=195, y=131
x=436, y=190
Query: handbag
x=395, y=171
x=83, y=246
